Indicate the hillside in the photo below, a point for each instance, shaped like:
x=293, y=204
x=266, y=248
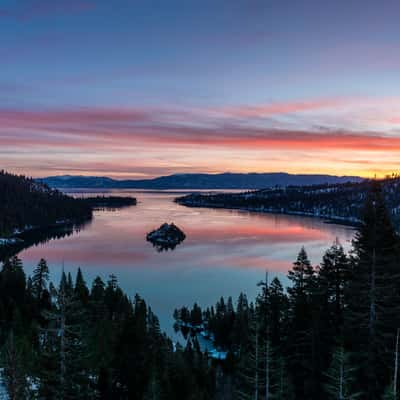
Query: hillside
x=338, y=202
x=198, y=181
x=27, y=204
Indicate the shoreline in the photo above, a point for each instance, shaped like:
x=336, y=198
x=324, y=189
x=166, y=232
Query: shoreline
x=334, y=220
x=19, y=236
x=12, y=245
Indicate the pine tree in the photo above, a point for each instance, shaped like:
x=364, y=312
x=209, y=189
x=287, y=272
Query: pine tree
x=278, y=310
x=302, y=276
x=282, y=388
x=264, y=316
x=248, y=380
x=333, y=278
x=196, y=315
x=373, y=296
x=39, y=279
x=14, y=374
x=13, y=281
x=240, y=329
x=340, y=377
x=272, y=307
x=64, y=347
x=97, y=292
x=69, y=287
x=301, y=330
x=81, y=290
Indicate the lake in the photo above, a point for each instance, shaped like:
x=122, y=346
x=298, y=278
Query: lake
x=225, y=251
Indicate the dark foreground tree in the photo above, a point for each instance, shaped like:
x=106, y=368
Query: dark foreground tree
x=373, y=298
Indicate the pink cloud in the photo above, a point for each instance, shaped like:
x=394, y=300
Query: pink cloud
x=149, y=141
x=117, y=128
x=279, y=108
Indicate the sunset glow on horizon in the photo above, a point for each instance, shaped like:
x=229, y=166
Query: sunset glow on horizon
x=136, y=91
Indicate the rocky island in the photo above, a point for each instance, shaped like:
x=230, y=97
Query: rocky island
x=166, y=237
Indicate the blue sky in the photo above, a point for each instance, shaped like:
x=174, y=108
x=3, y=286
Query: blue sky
x=318, y=67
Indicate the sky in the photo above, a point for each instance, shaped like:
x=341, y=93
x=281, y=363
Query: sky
x=138, y=89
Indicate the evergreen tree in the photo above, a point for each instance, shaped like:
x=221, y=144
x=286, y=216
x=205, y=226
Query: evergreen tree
x=302, y=276
x=39, y=279
x=264, y=322
x=13, y=281
x=81, y=290
x=340, y=377
x=97, y=292
x=282, y=388
x=196, y=315
x=14, y=372
x=64, y=347
x=333, y=278
x=248, y=380
x=96, y=300
x=69, y=287
x=278, y=311
x=301, y=333
x=373, y=296
x=241, y=327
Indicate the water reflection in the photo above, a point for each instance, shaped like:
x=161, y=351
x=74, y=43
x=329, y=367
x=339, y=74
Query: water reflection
x=225, y=252
x=160, y=247
x=37, y=237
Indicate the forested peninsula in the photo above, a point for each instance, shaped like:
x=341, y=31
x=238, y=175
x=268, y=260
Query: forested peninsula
x=342, y=203
x=27, y=205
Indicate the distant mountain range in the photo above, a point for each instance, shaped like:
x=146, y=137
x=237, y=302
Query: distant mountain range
x=197, y=181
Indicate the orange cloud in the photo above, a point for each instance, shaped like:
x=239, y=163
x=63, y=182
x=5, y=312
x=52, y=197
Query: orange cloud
x=150, y=141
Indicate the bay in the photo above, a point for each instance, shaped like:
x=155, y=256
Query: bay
x=225, y=252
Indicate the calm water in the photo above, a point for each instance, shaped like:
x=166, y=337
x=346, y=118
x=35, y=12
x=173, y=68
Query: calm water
x=225, y=252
